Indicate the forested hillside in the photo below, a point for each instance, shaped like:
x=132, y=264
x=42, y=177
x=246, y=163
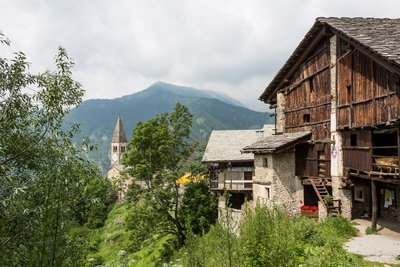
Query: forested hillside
x=210, y=111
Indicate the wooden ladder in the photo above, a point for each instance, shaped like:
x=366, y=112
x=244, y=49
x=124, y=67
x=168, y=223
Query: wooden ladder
x=321, y=191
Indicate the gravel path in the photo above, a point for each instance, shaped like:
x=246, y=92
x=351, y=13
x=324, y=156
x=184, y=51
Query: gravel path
x=383, y=247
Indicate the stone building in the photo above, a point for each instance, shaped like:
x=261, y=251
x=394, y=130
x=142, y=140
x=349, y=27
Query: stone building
x=337, y=102
x=118, y=148
x=231, y=170
x=275, y=181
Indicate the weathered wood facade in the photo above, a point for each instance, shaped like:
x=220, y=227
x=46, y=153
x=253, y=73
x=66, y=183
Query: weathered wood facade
x=342, y=83
x=368, y=94
x=308, y=95
x=307, y=108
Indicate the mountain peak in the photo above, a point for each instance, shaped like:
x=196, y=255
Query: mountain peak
x=192, y=92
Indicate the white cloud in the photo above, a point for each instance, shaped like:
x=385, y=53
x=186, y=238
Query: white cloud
x=123, y=46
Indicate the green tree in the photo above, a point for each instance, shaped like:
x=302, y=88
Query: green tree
x=198, y=208
x=158, y=154
x=42, y=173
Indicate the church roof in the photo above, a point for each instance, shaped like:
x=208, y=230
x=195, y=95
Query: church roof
x=119, y=132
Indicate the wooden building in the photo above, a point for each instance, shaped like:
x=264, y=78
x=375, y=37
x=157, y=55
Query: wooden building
x=342, y=84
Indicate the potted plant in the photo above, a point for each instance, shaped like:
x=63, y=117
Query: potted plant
x=309, y=211
x=328, y=199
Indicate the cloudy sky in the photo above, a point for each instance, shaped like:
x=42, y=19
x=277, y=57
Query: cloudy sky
x=123, y=46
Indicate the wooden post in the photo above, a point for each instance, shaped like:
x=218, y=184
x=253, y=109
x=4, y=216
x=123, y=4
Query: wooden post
x=374, y=205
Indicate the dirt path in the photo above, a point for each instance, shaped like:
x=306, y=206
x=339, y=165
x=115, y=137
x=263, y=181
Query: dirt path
x=383, y=247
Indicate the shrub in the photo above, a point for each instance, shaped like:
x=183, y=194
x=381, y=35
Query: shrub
x=272, y=237
x=267, y=238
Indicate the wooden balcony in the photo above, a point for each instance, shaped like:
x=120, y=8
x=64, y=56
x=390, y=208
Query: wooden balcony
x=232, y=185
x=386, y=164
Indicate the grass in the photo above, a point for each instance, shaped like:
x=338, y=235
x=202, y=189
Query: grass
x=111, y=244
x=270, y=237
x=379, y=264
x=370, y=231
x=112, y=239
x=266, y=239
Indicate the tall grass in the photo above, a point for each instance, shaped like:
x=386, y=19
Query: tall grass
x=271, y=237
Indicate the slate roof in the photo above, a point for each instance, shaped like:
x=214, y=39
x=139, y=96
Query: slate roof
x=380, y=36
x=119, y=132
x=226, y=145
x=277, y=143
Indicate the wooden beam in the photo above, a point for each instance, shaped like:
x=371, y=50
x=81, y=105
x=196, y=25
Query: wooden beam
x=374, y=204
x=323, y=33
x=294, y=86
x=308, y=107
x=372, y=176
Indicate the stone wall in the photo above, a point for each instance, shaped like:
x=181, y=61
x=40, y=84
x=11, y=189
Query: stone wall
x=114, y=175
x=275, y=182
x=280, y=112
x=229, y=218
x=287, y=190
x=263, y=178
x=322, y=210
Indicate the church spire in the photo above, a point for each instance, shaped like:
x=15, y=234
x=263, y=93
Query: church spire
x=118, y=143
x=119, y=132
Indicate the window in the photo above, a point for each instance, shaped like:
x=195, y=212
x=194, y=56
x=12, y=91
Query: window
x=353, y=140
x=359, y=193
x=311, y=84
x=122, y=149
x=307, y=118
x=115, y=149
x=265, y=162
x=348, y=88
x=267, y=192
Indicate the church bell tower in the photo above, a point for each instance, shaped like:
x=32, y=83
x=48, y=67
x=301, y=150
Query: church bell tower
x=118, y=143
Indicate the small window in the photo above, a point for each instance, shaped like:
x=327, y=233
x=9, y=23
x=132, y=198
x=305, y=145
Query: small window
x=115, y=149
x=306, y=118
x=265, y=162
x=348, y=93
x=311, y=84
x=359, y=193
x=267, y=192
x=353, y=139
x=122, y=149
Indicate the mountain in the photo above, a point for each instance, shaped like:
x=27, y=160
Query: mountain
x=211, y=111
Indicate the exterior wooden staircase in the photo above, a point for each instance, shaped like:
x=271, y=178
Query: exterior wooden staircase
x=319, y=185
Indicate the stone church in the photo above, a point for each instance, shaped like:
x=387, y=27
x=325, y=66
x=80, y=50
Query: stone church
x=118, y=148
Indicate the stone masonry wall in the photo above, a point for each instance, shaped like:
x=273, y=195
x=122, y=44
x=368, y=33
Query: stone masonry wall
x=280, y=113
x=287, y=190
x=278, y=177
x=263, y=177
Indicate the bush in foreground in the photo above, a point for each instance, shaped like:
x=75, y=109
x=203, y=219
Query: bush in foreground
x=271, y=237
